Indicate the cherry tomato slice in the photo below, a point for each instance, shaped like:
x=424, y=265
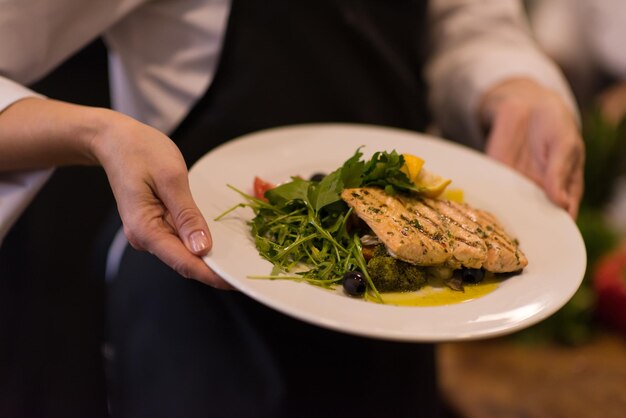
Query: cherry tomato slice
x=260, y=187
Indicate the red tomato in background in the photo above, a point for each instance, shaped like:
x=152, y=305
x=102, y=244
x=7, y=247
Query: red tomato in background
x=260, y=187
x=609, y=282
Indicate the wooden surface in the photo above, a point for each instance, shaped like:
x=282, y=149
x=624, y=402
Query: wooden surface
x=501, y=379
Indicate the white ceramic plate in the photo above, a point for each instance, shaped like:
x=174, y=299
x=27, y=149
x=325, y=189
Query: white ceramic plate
x=548, y=236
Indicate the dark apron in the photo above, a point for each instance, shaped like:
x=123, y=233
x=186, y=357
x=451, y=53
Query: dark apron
x=184, y=349
x=287, y=62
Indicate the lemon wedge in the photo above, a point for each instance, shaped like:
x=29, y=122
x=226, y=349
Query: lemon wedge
x=455, y=195
x=431, y=184
x=412, y=166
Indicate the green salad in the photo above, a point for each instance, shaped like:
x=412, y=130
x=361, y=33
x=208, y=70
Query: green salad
x=306, y=230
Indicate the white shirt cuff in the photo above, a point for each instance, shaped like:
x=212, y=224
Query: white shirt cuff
x=458, y=104
x=11, y=92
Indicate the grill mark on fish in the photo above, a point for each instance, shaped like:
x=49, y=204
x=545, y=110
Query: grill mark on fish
x=504, y=253
x=472, y=243
x=495, y=231
x=436, y=232
x=492, y=225
x=410, y=240
x=441, y=236
x=467, y=249
x=409, y=223
x=407, y=203
x=432, y=232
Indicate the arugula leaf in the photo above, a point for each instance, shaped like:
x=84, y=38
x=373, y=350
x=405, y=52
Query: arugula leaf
x=328, y=190
x=296, y=189
x=352, y=170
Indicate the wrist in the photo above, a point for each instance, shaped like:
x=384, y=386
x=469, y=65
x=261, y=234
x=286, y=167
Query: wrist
x=511, y=92
x=522, y=96
x=103, y=129
x=71, y=134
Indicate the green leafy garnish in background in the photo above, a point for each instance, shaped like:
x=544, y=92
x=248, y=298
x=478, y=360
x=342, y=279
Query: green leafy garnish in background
x=605, y=159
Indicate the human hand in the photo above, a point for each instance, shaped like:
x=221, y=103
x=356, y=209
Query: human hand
x=533, y=131
x=148, y=177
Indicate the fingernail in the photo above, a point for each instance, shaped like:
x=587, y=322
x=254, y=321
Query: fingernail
x=199, y=241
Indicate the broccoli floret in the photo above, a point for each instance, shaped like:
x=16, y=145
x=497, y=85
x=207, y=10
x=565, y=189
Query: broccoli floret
x=392, y=275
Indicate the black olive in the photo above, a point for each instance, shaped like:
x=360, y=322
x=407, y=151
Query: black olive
x=472, y=275
x=317, y=177
x=354, y=283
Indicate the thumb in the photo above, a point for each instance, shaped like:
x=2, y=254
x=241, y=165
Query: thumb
x=192, y=229
x=187, y=219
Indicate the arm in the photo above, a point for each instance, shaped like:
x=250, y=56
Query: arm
x=487, y=75
x=27, y=53
x=146, y=171
x=17, y=189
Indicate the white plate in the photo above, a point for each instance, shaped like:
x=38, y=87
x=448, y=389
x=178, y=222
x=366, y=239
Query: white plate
x=548, y=236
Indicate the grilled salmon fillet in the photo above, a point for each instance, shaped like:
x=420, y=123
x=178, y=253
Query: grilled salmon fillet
x=431, y=232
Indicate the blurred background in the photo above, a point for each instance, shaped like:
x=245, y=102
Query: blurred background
x=571, y=365
x=574, y=363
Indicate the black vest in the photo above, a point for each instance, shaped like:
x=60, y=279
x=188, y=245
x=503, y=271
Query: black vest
x=303, y=61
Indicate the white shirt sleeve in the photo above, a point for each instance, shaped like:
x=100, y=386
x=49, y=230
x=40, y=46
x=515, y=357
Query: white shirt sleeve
x=476, y=45
x=35, y=37
x=162, y=58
